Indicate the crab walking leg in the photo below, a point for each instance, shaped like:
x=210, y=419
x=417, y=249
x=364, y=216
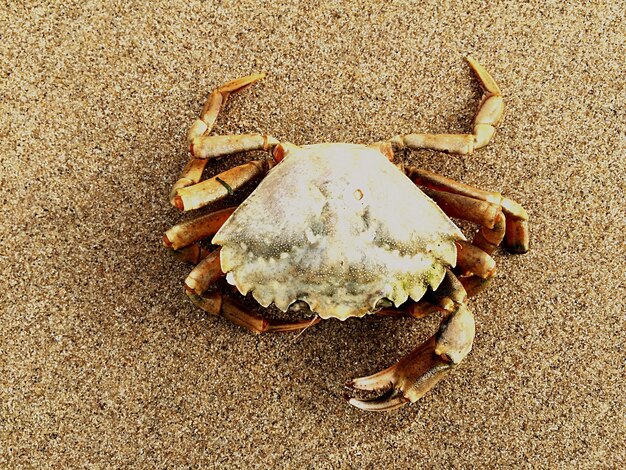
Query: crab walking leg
x=474, y=284
x=193, y=253
x=182, y=239
x=212, y=146
x=193, y=230
x=207, y=147
x=202, y=147
x=443, y=299
x=438, y=182
x=214, y=103
x=192, y=172
x=489, y=115
x=476, y=258
x=476, y=267
x=220, y=186
x=419, y=309
x=473, y=260
x=489, y=216
x=207, y=272
x=516, y=230
x=216, y=304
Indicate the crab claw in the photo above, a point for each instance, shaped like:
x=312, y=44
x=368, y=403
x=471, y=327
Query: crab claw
x=386, y=402
x=417, y=372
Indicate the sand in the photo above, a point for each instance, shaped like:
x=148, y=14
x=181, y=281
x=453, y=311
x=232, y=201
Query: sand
x=105, y=363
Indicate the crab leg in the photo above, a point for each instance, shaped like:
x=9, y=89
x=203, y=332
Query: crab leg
x=489, y=115
x=449, y=293
x=499, y=217
x=489, y=216
x=215, y=101
x=206, y=273
x=183, y=238
x=475, y=266
x=417, y=372
x=475, y=284
x=419, y=309
x=202, y=146
x=220, y=186
x=192, y=172
x=494, y=225
x=476, y=205
x=211, y=146
x=193, y=253
x=473, y=260
x=432, y=180
x=216, y=304
x=476, y=257
x=193, y=230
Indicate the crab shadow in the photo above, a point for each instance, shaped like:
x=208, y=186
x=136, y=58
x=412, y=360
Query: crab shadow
x=324, y=357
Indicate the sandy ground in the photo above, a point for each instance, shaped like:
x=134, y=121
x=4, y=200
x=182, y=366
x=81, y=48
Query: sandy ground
x=104, y=362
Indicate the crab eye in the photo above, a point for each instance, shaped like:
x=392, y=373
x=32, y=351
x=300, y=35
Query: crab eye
x=358, y=194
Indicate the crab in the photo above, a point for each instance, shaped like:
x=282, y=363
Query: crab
x=340, y=229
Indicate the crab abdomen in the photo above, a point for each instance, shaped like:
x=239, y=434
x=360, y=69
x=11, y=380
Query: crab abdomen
x=339, y=227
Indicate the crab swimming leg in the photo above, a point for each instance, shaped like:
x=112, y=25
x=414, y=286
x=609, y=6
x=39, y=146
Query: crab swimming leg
x=489, y=115
x=203, y=147
x=416, y=373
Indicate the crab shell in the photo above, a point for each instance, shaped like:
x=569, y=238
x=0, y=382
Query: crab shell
x=339, y=227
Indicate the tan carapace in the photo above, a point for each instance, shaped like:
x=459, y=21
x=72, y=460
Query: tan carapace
x=341, y=228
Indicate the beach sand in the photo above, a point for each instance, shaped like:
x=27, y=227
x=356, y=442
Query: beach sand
x=103, y=360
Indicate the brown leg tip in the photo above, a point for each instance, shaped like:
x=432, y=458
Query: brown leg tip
x=517, y=249
x=517, y=239
x=166, y=241
x=178, y=203
x=279, y=153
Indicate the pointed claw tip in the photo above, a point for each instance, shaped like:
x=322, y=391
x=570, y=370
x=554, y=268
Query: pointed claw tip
x=360, y=404
x=379, y=405
x=355, y=402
